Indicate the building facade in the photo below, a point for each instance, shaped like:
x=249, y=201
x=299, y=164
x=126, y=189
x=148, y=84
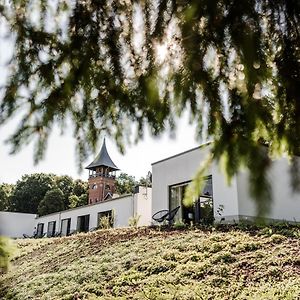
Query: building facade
x=223, y=202
x=85, y=218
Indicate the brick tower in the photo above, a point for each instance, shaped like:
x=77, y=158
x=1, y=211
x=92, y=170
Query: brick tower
x=102, y=177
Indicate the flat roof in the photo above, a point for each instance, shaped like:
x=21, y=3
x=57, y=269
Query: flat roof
x=181, y=153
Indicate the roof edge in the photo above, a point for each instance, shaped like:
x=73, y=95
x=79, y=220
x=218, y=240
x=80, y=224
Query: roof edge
x=181, y=153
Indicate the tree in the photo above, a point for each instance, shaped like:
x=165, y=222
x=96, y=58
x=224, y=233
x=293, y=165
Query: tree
x=6, y=191
x=76, y=201
x=52, y=202
x=125, y=184
x=30, y=190
x=80, y=188
x=145, y=182
x=66, y=184
x=234, y=64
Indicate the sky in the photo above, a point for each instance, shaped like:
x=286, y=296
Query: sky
x=60, y=154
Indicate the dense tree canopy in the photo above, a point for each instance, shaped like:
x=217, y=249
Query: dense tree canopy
x=52, y=202
x=66, y=184
x=106, y=65
x=80, y=187
x=6, y=190
x=76, y=201
x=30, y=190
x=125, y=184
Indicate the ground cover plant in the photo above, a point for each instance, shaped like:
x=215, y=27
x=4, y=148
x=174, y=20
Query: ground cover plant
x=225, y=262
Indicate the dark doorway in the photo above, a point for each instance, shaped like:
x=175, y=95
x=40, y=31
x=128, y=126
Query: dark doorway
x=83, y=223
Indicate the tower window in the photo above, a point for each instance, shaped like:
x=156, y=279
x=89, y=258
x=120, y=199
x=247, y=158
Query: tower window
x=94, y=186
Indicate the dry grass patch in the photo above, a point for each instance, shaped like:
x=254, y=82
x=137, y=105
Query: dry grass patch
x=152, y=264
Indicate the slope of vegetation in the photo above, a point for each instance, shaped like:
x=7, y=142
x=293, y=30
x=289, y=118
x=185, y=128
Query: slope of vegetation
x=223, y=263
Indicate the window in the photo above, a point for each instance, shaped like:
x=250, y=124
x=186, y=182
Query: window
x=105, y=217
x=176, y=197
x=94, y=186
x=201, y=211
x=83, y=223
x=65, y=227
x=207, y=189
x=51, y=229
x=40, y=229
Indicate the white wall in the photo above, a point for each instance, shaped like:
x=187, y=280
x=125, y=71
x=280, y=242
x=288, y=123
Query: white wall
x=182, y=168
x=124, y=208
x=174, y=170
x=285, y=202
x=143, y=207
x=14, y=225
x=224, y=195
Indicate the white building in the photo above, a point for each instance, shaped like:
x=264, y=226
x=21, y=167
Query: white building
x=227, y=203
x=81, y=219
x=103, y=202
x=170, y=178
x=119, y=210
x=14, y=224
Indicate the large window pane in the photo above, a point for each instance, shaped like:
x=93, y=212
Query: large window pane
x=105, y=219
x=201, y=211
x=83, y=223
x=65, y=227
x=51, y=228
x=40, y=230
x=176, y=197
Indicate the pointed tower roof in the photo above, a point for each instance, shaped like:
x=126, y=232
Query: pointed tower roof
x=102, y=159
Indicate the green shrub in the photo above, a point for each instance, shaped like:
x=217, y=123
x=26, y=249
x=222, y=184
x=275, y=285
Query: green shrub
x=6, y=251
x=134, y=221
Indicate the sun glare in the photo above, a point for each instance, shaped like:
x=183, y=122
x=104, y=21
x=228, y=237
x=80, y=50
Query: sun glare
x=161, y=52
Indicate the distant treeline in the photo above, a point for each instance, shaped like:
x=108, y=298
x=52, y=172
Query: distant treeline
x=43, y=194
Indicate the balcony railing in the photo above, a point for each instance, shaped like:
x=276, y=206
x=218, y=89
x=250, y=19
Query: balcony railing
x=102, y=175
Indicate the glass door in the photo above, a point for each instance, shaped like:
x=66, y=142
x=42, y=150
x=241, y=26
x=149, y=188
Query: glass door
x=65, y=227
x=51, y=229
x=201, y=211
x=83, y=223
x=40, y=229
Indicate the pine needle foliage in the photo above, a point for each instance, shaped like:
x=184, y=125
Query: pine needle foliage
x=106, y=65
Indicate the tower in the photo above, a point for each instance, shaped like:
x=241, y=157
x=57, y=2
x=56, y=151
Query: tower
x=102, y=177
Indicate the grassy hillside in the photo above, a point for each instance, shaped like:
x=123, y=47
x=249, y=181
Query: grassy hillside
x=151, y=264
